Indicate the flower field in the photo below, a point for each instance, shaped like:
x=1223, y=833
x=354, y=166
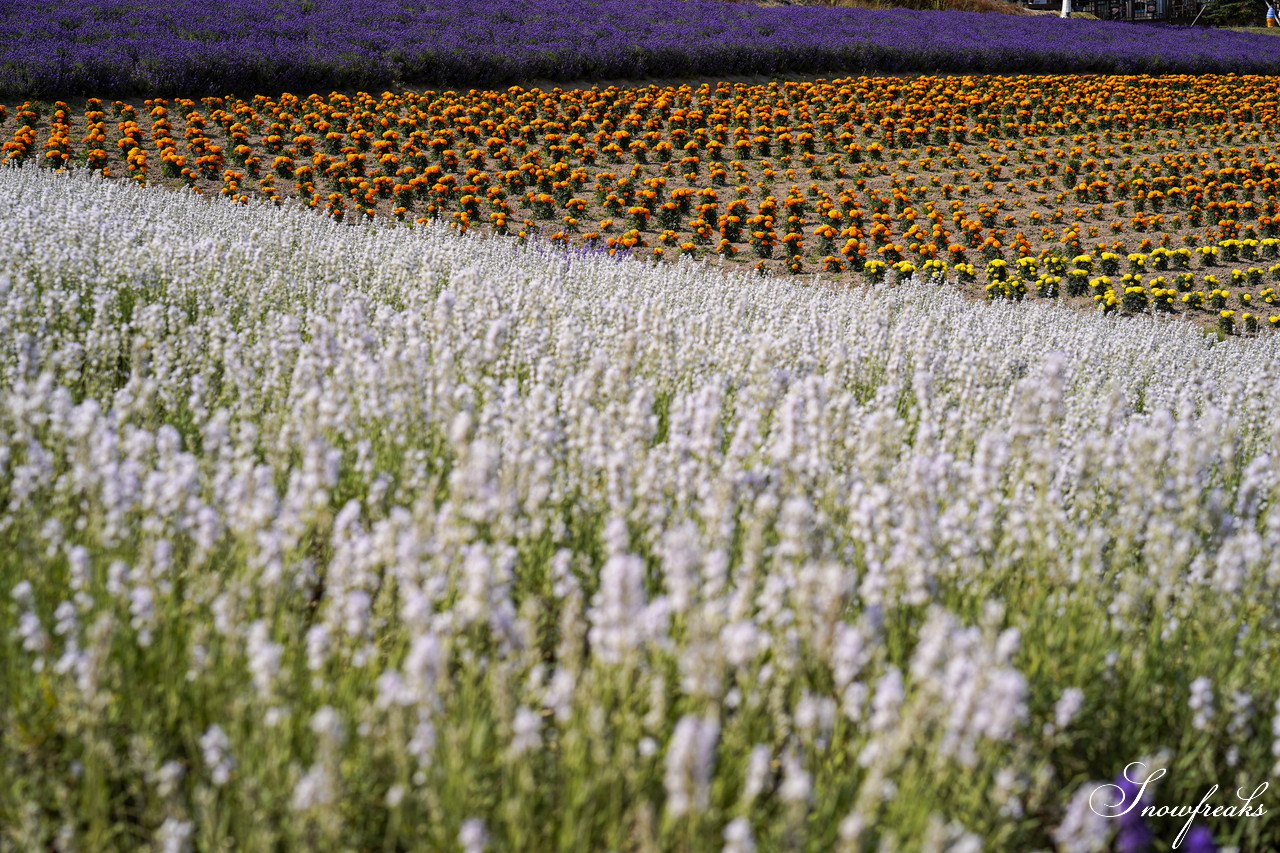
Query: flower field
x=152, y=48
x=867, y=462
x=334, y=537
x=1128, y=194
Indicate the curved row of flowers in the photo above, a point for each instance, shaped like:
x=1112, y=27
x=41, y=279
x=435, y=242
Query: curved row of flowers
x=177, y=47
x=1152, y=177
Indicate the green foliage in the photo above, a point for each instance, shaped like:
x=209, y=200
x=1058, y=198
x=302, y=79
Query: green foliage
x=1237, y=13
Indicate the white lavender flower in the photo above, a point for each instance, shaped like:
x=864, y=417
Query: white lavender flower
x=689, y=763
x=1083, y=830
x=215, y=747
x=1201, y=703
x=526, y=732
x=797, y=783
x=314, y=789
x=1067, y=706
x=758, y=773
x=473, y=836
x=264, y=658
x=738, y=837
x=168, y=777
x=174, y=836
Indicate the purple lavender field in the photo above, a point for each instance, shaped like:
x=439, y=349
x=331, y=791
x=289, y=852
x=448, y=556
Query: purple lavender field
x=124, y=47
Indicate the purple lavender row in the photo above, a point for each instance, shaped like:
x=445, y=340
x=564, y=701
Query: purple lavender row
x=124, y=47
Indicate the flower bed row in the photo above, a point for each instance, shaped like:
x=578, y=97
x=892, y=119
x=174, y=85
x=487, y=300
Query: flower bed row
x=1158, y=175
x=122, y=47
